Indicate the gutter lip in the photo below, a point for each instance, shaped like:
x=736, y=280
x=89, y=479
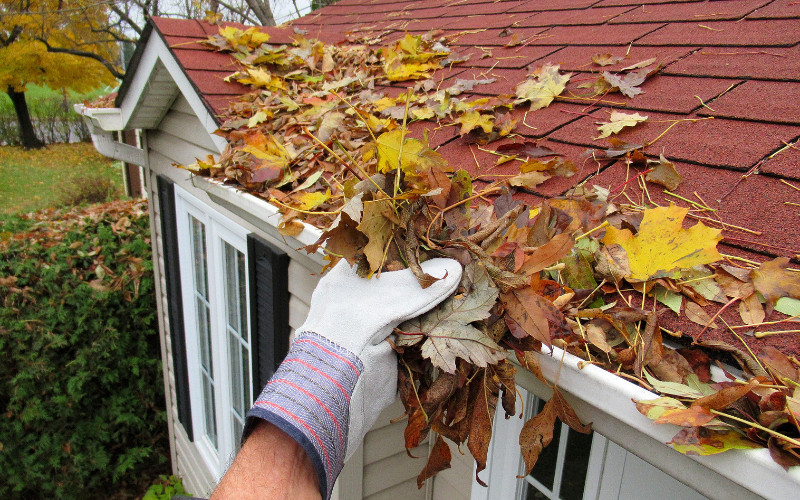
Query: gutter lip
x=751, y=469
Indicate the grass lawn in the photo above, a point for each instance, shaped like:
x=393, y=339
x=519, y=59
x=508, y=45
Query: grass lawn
x=37, y=179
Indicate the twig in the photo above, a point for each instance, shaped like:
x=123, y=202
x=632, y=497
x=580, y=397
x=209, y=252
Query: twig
x=715, y=317
x=758, y=426
x=759, y=335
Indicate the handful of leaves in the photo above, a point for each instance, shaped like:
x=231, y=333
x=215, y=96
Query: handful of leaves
x=580, y=272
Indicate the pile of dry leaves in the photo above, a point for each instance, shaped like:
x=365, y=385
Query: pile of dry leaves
x=580, y=272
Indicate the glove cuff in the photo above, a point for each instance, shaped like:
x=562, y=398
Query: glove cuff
x=308, y=398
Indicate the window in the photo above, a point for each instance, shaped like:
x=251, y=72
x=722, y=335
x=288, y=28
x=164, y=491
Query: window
x=213, y=257
x=569, y=468
x=573, y=466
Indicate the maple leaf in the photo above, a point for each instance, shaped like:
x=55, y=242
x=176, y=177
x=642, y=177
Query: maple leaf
x=378, y=230
x=473, y=119
x=261, y=78
x=773, y=280
x=628, y=83
x=617, y=121
x=662, y=245
x=447, y=331
x=606, y=59
x=546, y=85
x=416, y=155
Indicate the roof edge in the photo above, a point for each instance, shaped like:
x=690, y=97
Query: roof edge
x=133, y=65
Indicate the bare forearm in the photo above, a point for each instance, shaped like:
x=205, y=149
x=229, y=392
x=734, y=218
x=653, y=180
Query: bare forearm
x=271, y=465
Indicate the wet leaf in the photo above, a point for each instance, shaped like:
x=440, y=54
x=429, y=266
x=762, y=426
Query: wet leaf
x=694, y=416
x=662, y=245
x=726, y=396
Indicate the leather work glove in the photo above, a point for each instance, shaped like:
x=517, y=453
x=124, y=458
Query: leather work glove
x=339, y=374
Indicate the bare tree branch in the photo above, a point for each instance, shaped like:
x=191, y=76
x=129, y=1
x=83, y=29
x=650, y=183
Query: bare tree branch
x=83, y=53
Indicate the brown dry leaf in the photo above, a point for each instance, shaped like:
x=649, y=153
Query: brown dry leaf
x=597, y=337
x=567, y=414
x=696, y=314
x=751, y=311
x=694, y=416
x=664, y=174
x=606, y=59
x=548, y=254
x=726, y=396
x=536, y=434
x=378, y=229
x=529, y=311
x=773, y=280
x=530, y=362
x=484, y=401
x=438, y=460
x=416, y=429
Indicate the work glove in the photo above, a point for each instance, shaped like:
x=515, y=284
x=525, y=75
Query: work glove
x=339, y=373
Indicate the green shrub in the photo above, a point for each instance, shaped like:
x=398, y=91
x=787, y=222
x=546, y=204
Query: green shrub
x=88, y=189
x=164, y=488
x=80, y=379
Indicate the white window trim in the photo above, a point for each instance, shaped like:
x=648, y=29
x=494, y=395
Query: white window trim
x=217, y=229
x=504, y=460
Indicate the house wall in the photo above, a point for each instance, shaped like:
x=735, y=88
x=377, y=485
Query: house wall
x=381, y=468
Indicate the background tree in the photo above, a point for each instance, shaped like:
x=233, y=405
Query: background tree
x=76, y=43
x=28, y=29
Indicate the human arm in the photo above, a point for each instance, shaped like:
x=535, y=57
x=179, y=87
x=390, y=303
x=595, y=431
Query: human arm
x=340, y=373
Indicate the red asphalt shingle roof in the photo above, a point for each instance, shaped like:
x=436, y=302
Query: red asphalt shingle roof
x=735, y=60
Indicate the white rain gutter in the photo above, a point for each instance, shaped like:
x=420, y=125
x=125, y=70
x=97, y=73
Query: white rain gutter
x=606, y=400
x=102, y=123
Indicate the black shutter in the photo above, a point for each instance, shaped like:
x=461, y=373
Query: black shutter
x=169, y=233
x=269, y=308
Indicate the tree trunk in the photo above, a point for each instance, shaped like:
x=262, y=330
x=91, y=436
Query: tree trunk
x=26, y=132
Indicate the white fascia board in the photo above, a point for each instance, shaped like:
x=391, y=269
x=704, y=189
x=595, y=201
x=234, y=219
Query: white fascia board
x=155, y=51
x=606, y=400
x=257, y=212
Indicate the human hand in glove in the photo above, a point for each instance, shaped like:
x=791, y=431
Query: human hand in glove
x=339, y=373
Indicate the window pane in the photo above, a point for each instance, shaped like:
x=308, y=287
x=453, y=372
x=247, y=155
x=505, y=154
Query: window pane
x=199, y=256
x=246, y=385
x=545, y=469
x=204, y=331
x=534, y=494
x=237, y=398
x=576, y=464
x=237, y=435
x=209, y=417
x=236, y=290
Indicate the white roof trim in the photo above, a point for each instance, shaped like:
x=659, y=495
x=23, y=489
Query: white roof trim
x=605, y=400
x=156, y=50
x=102, y=123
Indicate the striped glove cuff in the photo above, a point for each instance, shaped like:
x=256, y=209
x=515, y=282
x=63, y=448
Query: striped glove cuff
x=308, y=398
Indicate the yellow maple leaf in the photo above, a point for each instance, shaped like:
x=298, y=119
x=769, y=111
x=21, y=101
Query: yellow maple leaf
x=662, y=245
x=310, y=201
x=473, y=119
x=262, y=79
x=546, y=85
x=416, y=155
x=617, y=121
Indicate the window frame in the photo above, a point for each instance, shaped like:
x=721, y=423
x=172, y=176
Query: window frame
x=218, y=231
x=503, y=465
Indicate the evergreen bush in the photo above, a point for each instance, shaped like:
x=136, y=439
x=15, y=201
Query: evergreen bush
x=80, y=378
